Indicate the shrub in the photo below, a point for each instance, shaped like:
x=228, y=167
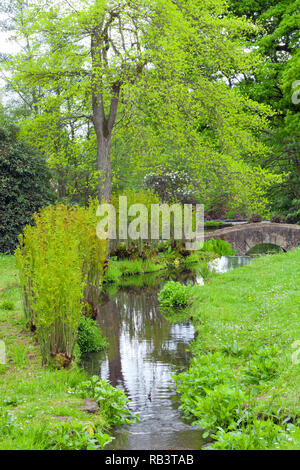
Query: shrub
x=171, y=186
x=60, y=261
x=24, y=185
x=276, y=219
x=293, y=217
x=290, y=211
x=254, y=219
x=174, y=294
x=220, y=247
x=89, y=336
x=7, y=305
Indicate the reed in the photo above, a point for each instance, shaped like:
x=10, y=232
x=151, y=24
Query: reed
x=60, y=261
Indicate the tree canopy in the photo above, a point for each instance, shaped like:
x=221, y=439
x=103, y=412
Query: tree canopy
x=116, y=89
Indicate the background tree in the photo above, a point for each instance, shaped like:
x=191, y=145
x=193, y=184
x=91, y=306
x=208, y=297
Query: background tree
x=24, y=184
x=146, y=83
x=272, y=83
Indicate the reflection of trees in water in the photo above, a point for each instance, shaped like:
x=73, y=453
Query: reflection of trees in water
x=141, y=318
x=110, y=322
x=135, y=316
x=178, y=358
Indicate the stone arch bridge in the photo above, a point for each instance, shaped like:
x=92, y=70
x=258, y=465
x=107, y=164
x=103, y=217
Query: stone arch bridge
x=246, y=236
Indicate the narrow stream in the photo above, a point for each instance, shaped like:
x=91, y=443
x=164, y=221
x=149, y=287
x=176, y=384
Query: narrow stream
x=145, y=351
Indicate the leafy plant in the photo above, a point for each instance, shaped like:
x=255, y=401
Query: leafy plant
x=76, y=436
x=112, y=401
x=221, y=406
x=174, y=294
x=7, y=305
x=89, y=336
x=220, y=247
x=204, y=271
x=262, y=366
x=210, y=392
x=259, y=435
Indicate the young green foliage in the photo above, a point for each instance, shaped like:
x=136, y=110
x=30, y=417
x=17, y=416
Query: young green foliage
x=60, y=261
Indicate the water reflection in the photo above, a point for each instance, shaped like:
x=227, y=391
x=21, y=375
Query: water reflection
x=227, y=263
x=145, y=350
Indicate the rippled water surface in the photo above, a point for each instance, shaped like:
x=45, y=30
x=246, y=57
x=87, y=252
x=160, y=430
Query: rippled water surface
x=145, y=350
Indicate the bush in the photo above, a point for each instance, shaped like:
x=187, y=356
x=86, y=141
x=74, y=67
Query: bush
x=293, y=216
x=255, y=219
x=24, y=185
x=89, y=336
x=171, y=186
x=174, y=294
x=220, y=247
x=7, y=305
x=60, y=261
x=276, y=219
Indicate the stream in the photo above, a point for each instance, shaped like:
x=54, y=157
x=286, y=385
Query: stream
x=145, y=351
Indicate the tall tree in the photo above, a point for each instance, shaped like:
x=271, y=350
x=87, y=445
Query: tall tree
x=275, y=82
x=99, y=61
x=87, y=51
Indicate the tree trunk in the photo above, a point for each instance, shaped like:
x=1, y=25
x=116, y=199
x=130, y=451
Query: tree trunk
x=103, y=125
x=104, y=167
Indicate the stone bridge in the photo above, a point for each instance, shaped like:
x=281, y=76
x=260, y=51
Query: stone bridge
x=246, y=236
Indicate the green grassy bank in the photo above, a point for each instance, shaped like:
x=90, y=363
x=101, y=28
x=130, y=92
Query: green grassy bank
x=43, y=408
x=243, y=382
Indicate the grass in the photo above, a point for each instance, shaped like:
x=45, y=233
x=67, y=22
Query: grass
x=248, y=322
x=121, y=269
x=39, y=407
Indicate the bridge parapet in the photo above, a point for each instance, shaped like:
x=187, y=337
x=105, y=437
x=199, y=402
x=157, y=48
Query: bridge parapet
x=246, y=236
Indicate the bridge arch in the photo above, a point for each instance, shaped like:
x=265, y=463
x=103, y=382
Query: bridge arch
x=246, y=236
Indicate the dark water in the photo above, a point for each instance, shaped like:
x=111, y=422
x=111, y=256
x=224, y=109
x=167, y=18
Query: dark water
x=145, y=350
